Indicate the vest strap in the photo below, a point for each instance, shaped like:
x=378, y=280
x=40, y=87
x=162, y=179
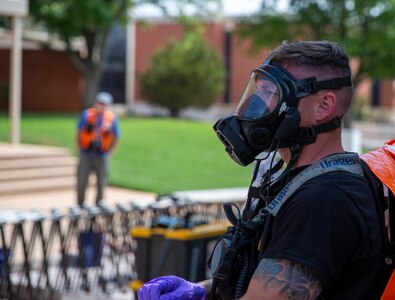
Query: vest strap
x=348, y=162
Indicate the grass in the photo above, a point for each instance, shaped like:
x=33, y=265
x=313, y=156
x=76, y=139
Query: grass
x=156, y=155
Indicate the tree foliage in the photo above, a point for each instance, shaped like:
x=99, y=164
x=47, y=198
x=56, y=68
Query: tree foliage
x=365, y=27
x=91, y=20
x=184, y=73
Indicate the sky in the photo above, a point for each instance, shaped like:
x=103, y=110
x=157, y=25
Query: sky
x=243, y=7
x=231, y=8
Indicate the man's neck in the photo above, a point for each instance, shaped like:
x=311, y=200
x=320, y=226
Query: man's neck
x=326, y=144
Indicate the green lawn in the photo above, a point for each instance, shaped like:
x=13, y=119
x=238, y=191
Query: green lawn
x=154, y=154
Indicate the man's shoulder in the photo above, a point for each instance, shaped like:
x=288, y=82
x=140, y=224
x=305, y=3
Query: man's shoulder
x=334, y=185
x=87, y=111
x=340, y=175
x=337, y=181
x=84, y=115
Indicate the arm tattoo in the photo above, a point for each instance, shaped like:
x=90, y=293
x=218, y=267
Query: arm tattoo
x=286, y=279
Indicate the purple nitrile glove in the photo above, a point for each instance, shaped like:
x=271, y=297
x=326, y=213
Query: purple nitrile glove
x=171, y=288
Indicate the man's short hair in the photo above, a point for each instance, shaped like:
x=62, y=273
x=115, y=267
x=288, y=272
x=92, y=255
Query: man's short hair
x=323, y=59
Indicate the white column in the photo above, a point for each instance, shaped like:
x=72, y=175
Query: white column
x=15, y=82
x=130, y=63
x=352, y=140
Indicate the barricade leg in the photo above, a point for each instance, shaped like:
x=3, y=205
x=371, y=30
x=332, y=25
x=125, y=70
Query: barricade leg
x=24, y=288
x=6, y=289
x=37, y=237
x=126, y=261
x=55, y=232
x=91, y=241
x=67, y=261
x=109, y=270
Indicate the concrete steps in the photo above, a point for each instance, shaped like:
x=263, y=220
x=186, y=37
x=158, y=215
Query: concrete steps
x=34, y=162
x=26, y=169
x=36, y=172
x=32, y=185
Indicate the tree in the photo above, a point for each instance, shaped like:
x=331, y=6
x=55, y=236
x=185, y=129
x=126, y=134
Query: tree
x=365, y=28
x=90, y=20
x=184, y=73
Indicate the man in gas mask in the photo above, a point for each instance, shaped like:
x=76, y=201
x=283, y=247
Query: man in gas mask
x=317, y=229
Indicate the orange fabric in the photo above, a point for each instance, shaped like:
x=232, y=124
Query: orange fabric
x=381, y=162
x=103, y=133
x=389, y=292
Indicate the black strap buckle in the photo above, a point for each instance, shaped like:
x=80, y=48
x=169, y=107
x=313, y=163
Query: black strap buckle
x=307, y=132
x=307, y=86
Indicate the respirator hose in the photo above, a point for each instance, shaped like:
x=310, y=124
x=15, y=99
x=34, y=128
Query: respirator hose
x=243, y=278
x=230, y=214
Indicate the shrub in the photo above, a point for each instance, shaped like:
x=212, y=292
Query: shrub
x=184, y=73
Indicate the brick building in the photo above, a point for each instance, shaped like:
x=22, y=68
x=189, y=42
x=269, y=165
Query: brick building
x=51, y=83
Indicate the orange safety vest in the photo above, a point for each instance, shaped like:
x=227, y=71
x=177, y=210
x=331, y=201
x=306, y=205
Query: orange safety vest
x=381, y=162
x=89, y=133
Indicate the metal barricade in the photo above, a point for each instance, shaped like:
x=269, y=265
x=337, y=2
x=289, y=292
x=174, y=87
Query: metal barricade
x=93, y=248
x=55, y=249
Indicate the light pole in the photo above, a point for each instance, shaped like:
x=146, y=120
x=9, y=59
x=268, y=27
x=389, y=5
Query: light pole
x=16, y=80
x=130, y=62
x=17, y=9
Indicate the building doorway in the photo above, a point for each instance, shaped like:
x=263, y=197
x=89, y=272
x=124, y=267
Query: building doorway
x=114, y=65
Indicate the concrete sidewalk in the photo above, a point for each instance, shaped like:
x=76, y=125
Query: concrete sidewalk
x=65, y=198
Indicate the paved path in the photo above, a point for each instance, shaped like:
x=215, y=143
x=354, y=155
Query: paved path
x=65, y=198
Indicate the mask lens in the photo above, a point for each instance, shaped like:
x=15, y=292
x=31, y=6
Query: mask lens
x=260, y=98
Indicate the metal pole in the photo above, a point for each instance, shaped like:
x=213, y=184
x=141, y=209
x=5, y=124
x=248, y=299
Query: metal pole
x=130, y=63
x=15, y=85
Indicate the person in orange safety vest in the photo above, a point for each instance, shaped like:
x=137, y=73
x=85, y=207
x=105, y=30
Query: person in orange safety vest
x=98, y=132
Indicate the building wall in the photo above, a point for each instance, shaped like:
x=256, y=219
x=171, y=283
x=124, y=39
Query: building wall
x=152, y=37
x=387, y=99
x=4, y=76
x=149, y=39
x=50, y=82
x=243, y=62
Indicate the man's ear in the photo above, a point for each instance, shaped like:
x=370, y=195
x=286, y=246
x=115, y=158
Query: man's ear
x=326, y=105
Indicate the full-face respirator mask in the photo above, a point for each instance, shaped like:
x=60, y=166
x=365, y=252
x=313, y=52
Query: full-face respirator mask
x=267, y=117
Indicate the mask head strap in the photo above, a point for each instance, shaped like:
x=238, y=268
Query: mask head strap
x=310, y=85
x=308, y=135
